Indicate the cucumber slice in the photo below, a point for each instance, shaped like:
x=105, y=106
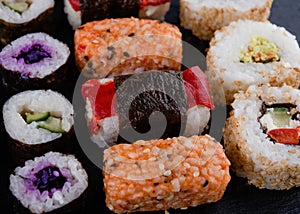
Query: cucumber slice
x=52, y=124
x=281, y=116
x=36, y=116
x=19, y=7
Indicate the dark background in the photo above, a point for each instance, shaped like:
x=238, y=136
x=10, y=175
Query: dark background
x=238, y=198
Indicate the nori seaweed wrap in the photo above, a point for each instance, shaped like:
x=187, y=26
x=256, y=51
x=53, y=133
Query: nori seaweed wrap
x=34, y=61
x=147, y=105
x=36, y=122
x=20, y=17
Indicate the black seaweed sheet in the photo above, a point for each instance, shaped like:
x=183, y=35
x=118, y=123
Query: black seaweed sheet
x=238, y=198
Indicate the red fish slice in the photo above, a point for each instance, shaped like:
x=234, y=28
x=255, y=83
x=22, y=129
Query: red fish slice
x=285, y=135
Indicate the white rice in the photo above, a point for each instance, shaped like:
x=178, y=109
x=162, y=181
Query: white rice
x=59, y=55
x=74, y=17
x=252, y=153
x=155, y=12
x=36, y=101
x=36, y=8
x=37, y=202
x=225, y=68
x=204, y=17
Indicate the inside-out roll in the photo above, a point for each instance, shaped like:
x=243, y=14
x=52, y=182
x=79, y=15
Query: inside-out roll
x=204, y=17
x=161, y=174
x=252, y=53
x=50, y=182
x=262, y=136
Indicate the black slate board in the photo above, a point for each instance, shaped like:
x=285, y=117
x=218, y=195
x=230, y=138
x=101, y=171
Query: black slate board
x=238, y=198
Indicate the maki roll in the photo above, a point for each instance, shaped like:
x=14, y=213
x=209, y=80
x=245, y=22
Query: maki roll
x=161, y=174
x=34, y=61
x=36, y=122
x=82, y=11
x=260, y=53
x=53, y=181
x=204, y=17
x=124, y=108
x=18, y=17
x=262, y=136
x=115, y=46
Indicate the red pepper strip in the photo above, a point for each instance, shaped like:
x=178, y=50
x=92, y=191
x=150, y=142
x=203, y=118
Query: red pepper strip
x=145, y=3
x=285, y=135
x=75, y=4
x=197, y=88
x=102, y=100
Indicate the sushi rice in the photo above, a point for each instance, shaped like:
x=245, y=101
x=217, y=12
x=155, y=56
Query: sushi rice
x=36, y=101
x=225, y=68
x=204, y=17
x=24, y=185
x=253, y=154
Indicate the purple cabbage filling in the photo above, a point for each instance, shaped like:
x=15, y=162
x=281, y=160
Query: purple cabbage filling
x=49, y=178
x=35, y=54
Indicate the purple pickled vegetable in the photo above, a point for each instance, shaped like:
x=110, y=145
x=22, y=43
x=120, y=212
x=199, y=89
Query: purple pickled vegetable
x=35, y=54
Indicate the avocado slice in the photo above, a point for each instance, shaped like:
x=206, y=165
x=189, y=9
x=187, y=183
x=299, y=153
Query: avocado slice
x=36, y=116
x=52, y=124
x=19, y=7
x=281, y=116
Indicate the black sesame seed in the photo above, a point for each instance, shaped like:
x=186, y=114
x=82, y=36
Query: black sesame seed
x=90, y=64
x=80, y=28
x=126, y=54
x=130, y=35
x=108, y=30
x=110, y=48
x=110, y=56
x=86, y=58
x=205, y=183
x=155, y=184
x=114, y=165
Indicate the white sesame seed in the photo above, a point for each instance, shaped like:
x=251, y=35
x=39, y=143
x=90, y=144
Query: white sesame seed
x=146, y=150
x=161, y=166
x=95, y=41
x=167, y=173
x=196, y=174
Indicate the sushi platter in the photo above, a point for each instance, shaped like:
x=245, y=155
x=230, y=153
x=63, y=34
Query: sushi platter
x=150, y=106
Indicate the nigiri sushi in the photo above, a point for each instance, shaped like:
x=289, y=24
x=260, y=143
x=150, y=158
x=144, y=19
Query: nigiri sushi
x=82, y=11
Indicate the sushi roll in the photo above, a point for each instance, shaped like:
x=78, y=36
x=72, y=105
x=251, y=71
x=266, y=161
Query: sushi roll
x=161, y=174
x=252, y=53
x=204, y=17
x=18, y=17
x=36, y=122
x=51, y=182
x=82, y=11
x=262, y=136
x=123, y=109
x=117, y=46
x=34, y=61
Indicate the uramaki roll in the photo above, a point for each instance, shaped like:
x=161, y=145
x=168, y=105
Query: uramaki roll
x=162, y=174
x=261, y=136
x=204, y=17
x=252, y=53
x=121, y=46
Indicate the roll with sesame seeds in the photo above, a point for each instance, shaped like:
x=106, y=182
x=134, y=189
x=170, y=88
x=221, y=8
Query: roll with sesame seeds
x=262, y=136
x=162, y=174
x=204, y=17
x=126, y=45
x=252, y=53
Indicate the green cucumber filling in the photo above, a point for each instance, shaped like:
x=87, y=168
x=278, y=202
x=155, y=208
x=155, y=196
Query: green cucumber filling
x=17, y=6
x=45, y=120
x=260, y=50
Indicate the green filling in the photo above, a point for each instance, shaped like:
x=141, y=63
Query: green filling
x=45, y=121
x=260, y=50
x=19, y=7
x=281, y=116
